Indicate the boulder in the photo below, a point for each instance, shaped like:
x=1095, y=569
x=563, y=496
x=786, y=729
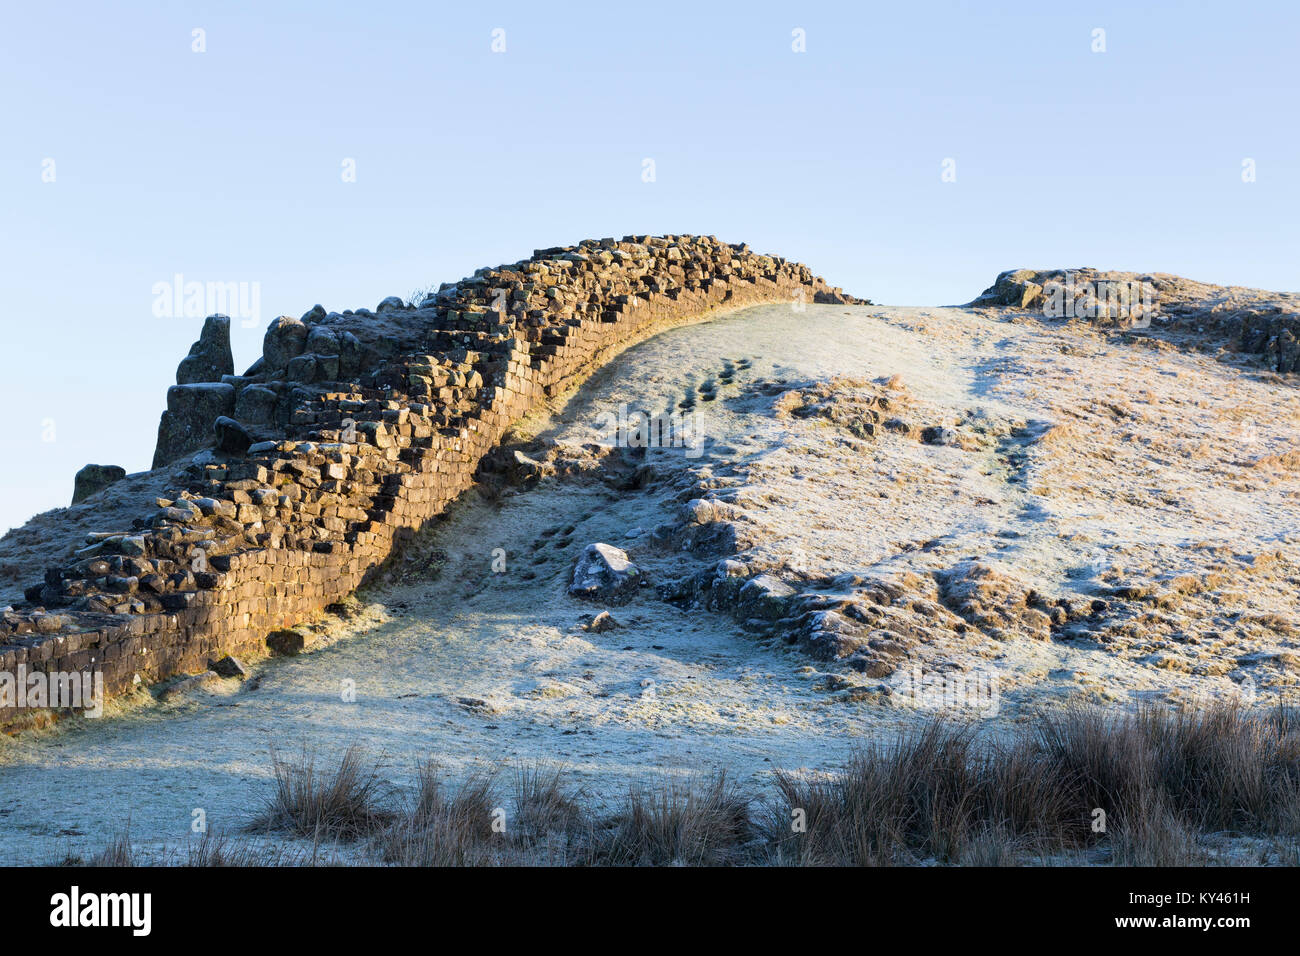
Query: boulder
x=301, y=368
x=286, y=642
x=285, y=339
x=391, y=303
x=322, y=341
x=229, y=667
x=766, y=597
x=232, y=437
x=1018, y=288
x=256, y=405
x=95, y=478
x=527, y=471
x=603, y=572
x=602, y=622
x=210, y=357
x=350, y=354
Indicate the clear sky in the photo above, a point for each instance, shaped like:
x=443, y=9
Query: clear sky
x=128, y=157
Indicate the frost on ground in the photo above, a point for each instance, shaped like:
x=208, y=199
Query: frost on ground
x=871, y=503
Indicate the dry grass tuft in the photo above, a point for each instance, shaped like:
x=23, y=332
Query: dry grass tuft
x=444, y=826
x=347, y=804
x=1160, y=778
x=693, y=822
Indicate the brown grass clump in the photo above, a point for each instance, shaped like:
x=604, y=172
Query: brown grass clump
x=445, y=826
x=935, y=793
x=1142, y=788
x=694, y=822
x=345, y=804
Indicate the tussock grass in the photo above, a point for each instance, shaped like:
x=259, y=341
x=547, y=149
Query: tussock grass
x=935, y=793
x=547, y=807
x=347, y=803
x=119, y=852
x=700, y=821
x=1160, y=778
x=215, y=848
x=444, y=826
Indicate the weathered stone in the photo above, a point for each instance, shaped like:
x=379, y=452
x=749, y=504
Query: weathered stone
x=286, y=642
x=602, y=622
x=229, y=667
x=604, y=572
x=210, y=357
x=256, y=405
x=322, y=340
x=301, y=368
x=350, y=354
x=767, y=597
x=285, y=339
x=95, y=478
x=232, y=437
x=186, y=425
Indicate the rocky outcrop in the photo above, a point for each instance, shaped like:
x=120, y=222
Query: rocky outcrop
x=93, y=479
x=298, y=480
x=210, y=357
x=1199, y=314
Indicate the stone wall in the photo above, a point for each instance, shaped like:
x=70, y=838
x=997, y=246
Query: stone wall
x=350, y=433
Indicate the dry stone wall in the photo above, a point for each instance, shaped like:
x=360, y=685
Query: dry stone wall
x=351, y=432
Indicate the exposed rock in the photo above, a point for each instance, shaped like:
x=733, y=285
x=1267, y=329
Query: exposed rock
x=301, y=368
x=1016, y=287
x=322, y=340
x=603, y=572
x=285, y=339
x=95, y=478
x=186, y=425
x=230, y=667
x=256, y=405
x=939, y=435
x=232, y=437
x=764, y=596
x=286, y=642
x=602, y=622
x=210, y=357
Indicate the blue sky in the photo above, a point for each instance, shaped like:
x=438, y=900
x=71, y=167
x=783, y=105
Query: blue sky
x=226, y=165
